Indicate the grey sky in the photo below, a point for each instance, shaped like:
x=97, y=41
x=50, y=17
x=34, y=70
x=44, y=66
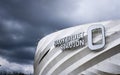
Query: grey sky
x=24, y=22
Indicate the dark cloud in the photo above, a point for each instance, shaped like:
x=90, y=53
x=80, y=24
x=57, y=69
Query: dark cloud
x=19, y=55
x=16, y=42
x=21, y=29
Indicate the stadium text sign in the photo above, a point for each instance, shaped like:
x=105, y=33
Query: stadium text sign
x=78, y=40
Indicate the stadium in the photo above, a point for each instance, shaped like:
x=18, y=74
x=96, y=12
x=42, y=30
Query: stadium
x=88, y=49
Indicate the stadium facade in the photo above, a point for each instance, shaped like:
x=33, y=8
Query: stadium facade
x=89, y=49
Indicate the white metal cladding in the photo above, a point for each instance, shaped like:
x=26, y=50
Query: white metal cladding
x=50, y=60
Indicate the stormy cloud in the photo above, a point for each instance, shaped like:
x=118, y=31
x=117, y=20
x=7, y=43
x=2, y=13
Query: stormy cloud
x=24, y=22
